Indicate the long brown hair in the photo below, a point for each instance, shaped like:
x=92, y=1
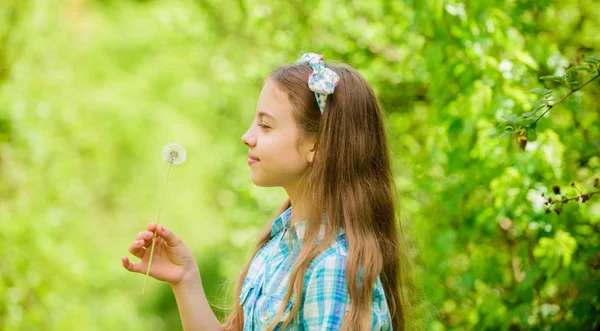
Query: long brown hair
x=350, y=181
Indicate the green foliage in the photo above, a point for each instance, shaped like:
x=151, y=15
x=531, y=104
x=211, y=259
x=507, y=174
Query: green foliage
x=90, y=92
x=523, y=127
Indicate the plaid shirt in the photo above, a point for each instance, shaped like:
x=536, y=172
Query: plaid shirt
x=325, y=293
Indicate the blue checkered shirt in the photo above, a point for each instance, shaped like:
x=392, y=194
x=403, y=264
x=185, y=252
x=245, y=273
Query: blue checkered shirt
x=325, y=298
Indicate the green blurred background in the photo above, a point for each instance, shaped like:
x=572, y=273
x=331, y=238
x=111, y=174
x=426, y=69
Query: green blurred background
x=91, y=91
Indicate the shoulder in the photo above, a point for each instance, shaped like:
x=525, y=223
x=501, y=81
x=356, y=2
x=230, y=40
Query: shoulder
x=330, y=266
x=325, y=295
x=326, y=299
x=334, y=256
x=326, y=273
x=325, y=279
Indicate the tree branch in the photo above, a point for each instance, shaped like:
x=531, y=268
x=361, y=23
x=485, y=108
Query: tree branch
x=566, y=96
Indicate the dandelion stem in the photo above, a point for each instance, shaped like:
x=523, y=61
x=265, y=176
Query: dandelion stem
x=157, y=222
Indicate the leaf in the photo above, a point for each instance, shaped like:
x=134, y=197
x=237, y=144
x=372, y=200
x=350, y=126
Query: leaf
x=538, y=108
x=524, y=121
x=512, y=118
x=540, y=91
x=582, y=68
x=541, y=103
x=505, y=134
x=531, y=134
x=592, y=59
x=578, y=68
x=554, y=78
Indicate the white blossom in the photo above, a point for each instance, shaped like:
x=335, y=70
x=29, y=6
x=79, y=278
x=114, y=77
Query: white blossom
x=174, y=153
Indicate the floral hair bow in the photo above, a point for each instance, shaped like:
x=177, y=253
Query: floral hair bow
x=322, y=80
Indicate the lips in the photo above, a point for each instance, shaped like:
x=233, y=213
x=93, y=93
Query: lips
x=252, y=157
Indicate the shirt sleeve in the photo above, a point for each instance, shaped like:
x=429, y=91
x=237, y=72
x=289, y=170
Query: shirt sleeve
x=325, y=295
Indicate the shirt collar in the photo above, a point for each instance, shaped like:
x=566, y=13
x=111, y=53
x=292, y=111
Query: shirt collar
x=283, y=222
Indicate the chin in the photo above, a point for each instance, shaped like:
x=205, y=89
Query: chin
x=256, y=180
x=261, y=184
x=261, y=181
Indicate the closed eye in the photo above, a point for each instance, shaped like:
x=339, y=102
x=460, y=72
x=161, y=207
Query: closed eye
x=264, y=126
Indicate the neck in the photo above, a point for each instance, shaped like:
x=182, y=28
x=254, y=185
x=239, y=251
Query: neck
x=296, y=202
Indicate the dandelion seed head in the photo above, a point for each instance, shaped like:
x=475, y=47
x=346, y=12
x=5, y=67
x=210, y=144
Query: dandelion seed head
x=174, y=153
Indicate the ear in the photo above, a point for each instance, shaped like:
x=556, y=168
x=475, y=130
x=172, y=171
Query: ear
x=311, y=155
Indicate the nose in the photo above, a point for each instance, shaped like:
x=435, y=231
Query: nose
x=248, y=139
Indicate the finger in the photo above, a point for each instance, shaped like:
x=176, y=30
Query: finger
x=148, y=243
x=144, y=235
x=147, y=236
x=133, y=267
x=137, y=248
x=170, y=238
x=152, y=226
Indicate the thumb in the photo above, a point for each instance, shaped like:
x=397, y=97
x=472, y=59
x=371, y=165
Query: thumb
x=133, y=267
x=170, y=238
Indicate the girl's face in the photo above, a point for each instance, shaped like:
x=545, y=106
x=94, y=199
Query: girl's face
x=278, y=155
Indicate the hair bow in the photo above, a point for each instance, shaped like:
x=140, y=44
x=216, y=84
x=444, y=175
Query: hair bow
x=322, y=80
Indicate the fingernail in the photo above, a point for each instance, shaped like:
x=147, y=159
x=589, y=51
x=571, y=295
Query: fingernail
x=162, y=229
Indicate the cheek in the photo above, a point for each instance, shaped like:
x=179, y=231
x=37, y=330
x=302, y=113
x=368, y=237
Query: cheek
x=281, y=165
x=292, y=163
x=284, y=160
x=288, y=153
x=280, y=153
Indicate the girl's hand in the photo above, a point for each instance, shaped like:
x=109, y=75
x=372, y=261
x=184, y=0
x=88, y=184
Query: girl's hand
x=172, y=261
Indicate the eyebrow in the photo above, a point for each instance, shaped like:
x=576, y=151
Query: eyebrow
x=262, y=113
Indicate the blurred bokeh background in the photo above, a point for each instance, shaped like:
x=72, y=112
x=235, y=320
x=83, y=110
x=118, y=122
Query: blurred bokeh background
x=91, y=91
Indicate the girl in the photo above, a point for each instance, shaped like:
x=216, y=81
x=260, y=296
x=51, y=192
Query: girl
x=331, y=259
